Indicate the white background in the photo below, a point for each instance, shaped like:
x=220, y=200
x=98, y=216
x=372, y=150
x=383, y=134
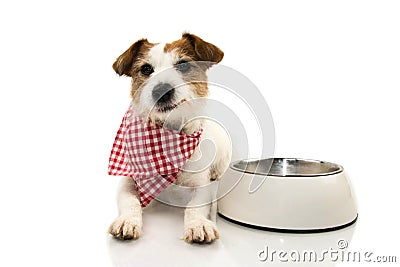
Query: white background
x=329, y=71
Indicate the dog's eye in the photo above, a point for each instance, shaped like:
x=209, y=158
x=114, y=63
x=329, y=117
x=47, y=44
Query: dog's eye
x=183, y=66
x=147, y=69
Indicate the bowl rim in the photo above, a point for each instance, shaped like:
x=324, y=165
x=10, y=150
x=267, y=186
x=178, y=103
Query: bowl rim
x=249, y=160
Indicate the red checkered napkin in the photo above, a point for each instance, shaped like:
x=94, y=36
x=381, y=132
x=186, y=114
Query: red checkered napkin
x=151, y=155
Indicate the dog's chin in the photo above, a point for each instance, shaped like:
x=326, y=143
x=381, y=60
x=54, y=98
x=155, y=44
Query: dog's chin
x=168, y=107
x=162, y=112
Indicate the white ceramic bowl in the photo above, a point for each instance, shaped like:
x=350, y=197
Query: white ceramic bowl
x=289, y=195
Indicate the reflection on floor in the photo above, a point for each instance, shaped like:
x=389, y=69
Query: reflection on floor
x=161, y=244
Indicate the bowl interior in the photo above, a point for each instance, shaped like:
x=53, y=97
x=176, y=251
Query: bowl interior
x=287, y=167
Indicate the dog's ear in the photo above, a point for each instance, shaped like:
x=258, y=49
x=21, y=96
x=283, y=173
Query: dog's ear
x=124, y=62
x=204, y=50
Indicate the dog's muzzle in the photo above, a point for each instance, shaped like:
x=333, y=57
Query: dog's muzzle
x=163, y=93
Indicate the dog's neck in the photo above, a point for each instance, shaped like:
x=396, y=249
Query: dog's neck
x=189, y=128
x=177, y=125
x=174, y=121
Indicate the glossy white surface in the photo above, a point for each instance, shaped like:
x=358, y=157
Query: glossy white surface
x=294, y=203
x=238, y=246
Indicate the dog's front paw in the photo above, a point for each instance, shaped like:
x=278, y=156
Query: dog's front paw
x=126, y=227
x=200, y=231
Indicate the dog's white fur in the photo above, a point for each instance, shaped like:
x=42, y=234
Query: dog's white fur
x=163, y=72
x=199, y=221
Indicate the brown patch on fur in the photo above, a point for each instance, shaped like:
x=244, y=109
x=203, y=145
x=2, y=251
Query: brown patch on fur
x=196, y=77
x=130, y=62
x=201, y=89
x=192, y=48
x=195, y=48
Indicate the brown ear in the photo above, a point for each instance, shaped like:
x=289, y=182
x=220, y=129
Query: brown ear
x=205, y=51
x=124, y=62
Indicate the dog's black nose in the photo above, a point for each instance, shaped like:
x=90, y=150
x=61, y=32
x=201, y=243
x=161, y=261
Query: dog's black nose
x=163, y=92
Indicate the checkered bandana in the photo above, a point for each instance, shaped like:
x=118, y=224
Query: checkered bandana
x=151, y=155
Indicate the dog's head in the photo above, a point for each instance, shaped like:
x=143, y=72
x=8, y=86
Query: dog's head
x=167, y=75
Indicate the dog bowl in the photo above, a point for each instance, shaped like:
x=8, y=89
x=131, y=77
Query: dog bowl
x=287, y=194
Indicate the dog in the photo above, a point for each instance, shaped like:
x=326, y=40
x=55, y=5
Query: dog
x=166, y=77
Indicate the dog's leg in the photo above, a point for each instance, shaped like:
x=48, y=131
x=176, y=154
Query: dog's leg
x=198, y=224
x=128, y=225
x=198, y=227
x=213, y=211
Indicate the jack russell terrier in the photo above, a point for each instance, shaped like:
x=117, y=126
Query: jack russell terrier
x=157, y=138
